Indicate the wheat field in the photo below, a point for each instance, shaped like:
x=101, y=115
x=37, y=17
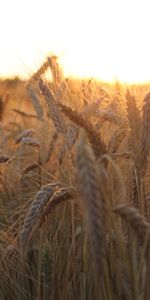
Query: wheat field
x=74, y=188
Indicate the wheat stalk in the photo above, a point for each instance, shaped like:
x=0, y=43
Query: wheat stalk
x=24, y=114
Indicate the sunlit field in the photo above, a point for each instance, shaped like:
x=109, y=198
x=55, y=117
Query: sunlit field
x=74, y=188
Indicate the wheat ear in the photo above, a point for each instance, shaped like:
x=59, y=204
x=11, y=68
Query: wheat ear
x=35, y=100
x=136, y=220
x=90, y=191
x=53, y=110
x=142, y=159
x=24, y=134
x=34, y=213
x=94, y=137
x=58, y=197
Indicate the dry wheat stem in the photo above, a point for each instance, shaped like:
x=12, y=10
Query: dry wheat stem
x=24, y=114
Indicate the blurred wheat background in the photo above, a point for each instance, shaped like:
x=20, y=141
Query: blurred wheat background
x=74, y=188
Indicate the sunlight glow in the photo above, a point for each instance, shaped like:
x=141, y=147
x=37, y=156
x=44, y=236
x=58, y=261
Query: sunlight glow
x=99, y=38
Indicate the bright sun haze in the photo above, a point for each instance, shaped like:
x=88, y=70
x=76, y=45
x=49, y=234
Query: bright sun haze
x=106, y=39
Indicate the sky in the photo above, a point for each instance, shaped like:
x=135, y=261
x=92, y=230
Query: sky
x=106, y=39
